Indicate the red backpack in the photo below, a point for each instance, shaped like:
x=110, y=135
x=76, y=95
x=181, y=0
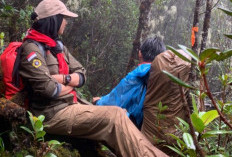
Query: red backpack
x=8, y=58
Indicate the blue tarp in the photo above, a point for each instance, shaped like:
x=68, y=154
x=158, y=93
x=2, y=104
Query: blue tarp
x=129, y=93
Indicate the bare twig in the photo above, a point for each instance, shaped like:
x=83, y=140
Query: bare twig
x=192, y=131
x=211, y=8
x=202, y=103
x=220, y=121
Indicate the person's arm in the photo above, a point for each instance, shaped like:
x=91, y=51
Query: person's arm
x=76, y=70
x=65, y=90
x=75, y=79
x=34, y=71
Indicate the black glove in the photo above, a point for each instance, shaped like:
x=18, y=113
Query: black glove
x=58, y=48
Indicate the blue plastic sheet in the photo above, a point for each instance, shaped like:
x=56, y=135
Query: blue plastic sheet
x=129, y=93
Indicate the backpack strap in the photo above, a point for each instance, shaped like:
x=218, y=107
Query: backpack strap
x=15, y=73
x=41, y=47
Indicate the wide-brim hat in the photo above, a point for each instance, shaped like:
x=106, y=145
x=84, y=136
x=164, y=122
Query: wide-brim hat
x=48, y=8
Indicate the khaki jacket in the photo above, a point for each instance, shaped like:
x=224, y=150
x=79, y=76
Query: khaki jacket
x=161, y=89
x=36, y=73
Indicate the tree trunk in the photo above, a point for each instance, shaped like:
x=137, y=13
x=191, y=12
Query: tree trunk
x=192, y=77
x=196, y=24
x=144, y=8
x=13, y=29
x=206, y=25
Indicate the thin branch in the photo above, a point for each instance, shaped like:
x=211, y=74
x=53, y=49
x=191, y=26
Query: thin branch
x=220, y=121
x=192, y=131
x=214, y=103
x=211, y=8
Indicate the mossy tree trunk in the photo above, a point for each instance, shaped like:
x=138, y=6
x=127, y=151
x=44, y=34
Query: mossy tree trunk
x=144, y=8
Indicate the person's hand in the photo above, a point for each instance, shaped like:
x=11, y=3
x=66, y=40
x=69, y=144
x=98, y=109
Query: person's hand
x=95, y=99
x=58, y=48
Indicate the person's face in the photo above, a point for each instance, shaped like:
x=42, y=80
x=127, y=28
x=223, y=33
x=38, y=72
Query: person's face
x=62, y=27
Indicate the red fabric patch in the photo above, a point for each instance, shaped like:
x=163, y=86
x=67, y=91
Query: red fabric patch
x=37, y=36
x=63, y=66
x=31, y=56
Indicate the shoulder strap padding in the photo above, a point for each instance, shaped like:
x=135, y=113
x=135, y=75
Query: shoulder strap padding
x=32, y=45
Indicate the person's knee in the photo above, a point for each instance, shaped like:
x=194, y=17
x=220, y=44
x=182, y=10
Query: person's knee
x=118, y=110
x=117, y=115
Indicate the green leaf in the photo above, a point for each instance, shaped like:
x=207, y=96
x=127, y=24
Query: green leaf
x=104, y=148
x=209, y=117
x=45, y=126
x=9, y=8
x=213, y=56
x=208, y=135
x=179, y=54
x=29, y=156
x=40, y=134
x=203, y=95
x=22, y=13
x=50, y=155
x=41, y=118
x=160, y=105
x=31, y=118
x=216, y=132
x=38, y=125
x=228, y=35
x=195, y=109
x=201, y=114
x=164, y=108
x=197, y=122
x=189, y=141
x=54, y=144
x=183, y=122
x=224, y=55
x=218, y=155
x=179, y=145
x=2, y=35
x=177, y=80
x=177, y=139
x=176, y=150
x=207, y=53
x=27, y=130
x=191, y=153
x=228, y=12
x=190, y=52
x=2, y=147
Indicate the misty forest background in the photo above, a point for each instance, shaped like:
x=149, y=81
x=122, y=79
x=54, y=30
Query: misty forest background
x=102, y=37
